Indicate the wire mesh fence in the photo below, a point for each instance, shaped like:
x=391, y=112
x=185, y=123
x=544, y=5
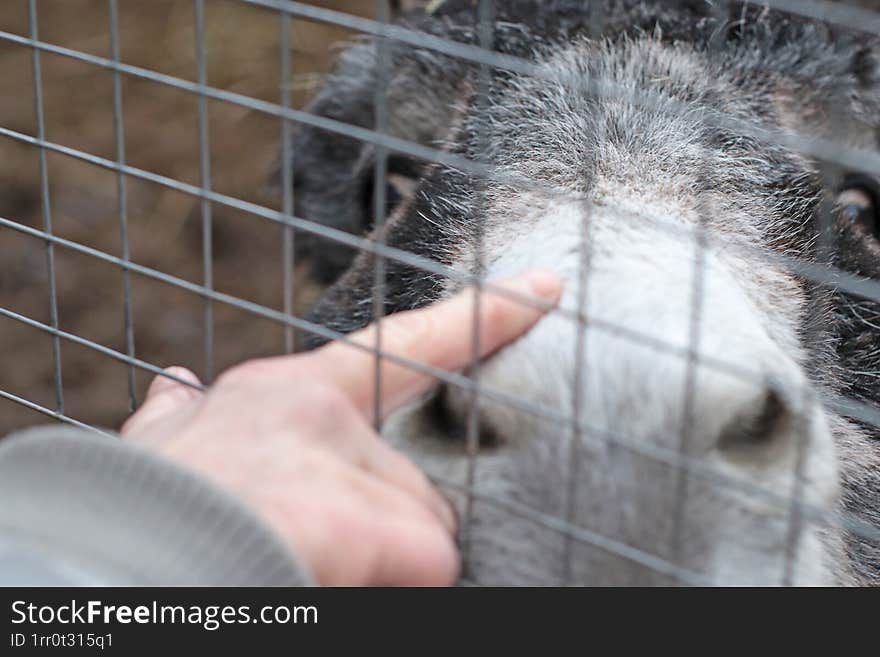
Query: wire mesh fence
x=209, y=188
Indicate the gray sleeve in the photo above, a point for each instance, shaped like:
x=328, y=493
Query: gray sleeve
x=77, y=508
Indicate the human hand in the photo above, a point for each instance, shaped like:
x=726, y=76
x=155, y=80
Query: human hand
x=292, y=436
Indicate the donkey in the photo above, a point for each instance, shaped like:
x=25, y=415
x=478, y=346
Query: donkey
x=707, y=417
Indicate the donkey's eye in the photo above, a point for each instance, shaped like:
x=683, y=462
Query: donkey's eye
x=857, y=203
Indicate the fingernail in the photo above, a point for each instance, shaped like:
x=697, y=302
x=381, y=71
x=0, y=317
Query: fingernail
x=545, y=284
x=182, y=374
x=175, y=375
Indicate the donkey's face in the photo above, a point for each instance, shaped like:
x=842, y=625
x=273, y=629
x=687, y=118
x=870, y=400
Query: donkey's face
x=674, y=404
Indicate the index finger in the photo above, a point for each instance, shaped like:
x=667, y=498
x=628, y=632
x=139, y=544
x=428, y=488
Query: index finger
x=439, y=336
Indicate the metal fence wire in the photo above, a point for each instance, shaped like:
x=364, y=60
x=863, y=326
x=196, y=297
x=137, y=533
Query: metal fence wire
x=580, y=435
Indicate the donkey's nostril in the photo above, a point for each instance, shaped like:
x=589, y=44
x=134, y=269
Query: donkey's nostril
x=451, y=418
x=758, y=424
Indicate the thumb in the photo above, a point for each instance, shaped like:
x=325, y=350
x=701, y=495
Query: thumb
x=167, y=393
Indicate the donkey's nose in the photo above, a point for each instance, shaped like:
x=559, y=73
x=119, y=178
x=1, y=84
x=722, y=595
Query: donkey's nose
x=660, y=359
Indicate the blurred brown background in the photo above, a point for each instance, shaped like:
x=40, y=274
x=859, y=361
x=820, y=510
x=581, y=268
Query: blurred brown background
x=161, y=136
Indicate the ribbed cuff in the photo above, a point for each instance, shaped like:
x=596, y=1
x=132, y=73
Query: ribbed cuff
x=126, y=517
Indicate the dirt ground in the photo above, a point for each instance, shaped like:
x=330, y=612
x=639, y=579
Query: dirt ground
x=161, y=136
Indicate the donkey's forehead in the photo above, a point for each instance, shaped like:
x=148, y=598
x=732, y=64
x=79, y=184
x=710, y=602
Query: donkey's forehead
x=652, y=108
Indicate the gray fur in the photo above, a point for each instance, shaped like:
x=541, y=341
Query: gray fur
x=640, y=179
